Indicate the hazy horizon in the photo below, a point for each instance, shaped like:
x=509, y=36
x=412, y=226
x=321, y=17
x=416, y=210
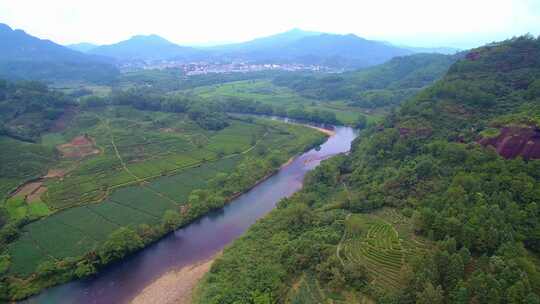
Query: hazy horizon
x=418, y=23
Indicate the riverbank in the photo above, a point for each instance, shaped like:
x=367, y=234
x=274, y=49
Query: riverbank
x=126, y=280
x=175, y=287
x=325, y=131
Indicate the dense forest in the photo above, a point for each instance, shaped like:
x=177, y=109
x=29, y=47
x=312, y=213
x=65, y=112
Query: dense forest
x=472, y=208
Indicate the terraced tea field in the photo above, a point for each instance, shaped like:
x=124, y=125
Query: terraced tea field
x=373, y=241
x=148, y=163
x=79, y=230
x=135, y=151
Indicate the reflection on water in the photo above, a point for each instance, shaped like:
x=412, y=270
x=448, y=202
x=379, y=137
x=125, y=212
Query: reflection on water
x=198, y=241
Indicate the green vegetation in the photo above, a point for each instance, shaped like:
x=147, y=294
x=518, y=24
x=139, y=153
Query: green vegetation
x=29, y=108
x=21, y=161
x=490, y=133
x=263, y=97
x=374, y=242
x=419, y=212
x=383, y=85
x=117, y=173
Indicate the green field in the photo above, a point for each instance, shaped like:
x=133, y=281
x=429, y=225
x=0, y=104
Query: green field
x=148, y=163
x=266, y=92
x=132, y=151
x=82, y=229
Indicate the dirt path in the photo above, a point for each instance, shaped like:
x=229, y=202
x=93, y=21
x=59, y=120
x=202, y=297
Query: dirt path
x=175, y=286
x=338, y=249
x=107, y=124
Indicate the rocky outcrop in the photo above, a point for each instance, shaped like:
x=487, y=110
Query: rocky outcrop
x=516, y=141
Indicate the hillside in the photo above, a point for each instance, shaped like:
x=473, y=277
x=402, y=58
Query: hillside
x=29, y=108
x=141, y=47
x=27, y=57
x=381, y=85
x=421, y=211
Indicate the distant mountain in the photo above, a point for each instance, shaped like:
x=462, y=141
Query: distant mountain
x=145, y=47
x=18, y=45
x=345, y=50
x=436, y=50
x=83, y=47
x=296, y=46
x=26, y=57
x=272, y=41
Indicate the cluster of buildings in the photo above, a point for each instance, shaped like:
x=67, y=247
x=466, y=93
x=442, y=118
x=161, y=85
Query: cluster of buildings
x=242, y=67
x=201, y=68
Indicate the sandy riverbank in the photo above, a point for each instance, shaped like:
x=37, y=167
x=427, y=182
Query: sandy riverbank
x=325, y=131
x=175, y=286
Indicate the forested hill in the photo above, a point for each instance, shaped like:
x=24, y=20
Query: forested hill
x=427, y=208
x=382, y=85
x=23, y=56
x=493, y=88
x=28, y=108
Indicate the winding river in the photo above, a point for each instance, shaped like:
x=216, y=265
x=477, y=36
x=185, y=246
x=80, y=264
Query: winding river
x=199, y=240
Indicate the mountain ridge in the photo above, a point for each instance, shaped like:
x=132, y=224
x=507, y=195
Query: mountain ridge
x=143, y=47
x=23, y=56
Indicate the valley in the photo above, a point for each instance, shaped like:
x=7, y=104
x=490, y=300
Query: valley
x=198, y=241
x=297, y=167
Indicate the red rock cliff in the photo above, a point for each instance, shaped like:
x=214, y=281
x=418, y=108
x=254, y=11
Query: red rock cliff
x=516, y=141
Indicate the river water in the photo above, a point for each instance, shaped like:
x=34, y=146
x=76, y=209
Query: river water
x=121, y=282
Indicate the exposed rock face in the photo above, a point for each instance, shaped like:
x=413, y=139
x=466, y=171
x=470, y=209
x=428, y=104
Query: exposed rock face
x=516, y=141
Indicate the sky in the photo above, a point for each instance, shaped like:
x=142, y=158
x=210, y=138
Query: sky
x=426, y=23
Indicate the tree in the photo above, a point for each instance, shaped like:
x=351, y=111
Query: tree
x=120, y=243
x=5, y=262
x=430, y=295
x=361, y=122
x=171, y=220
x=84, y=269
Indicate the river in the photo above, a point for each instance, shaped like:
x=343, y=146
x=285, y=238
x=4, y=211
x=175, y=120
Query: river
x=198, y=241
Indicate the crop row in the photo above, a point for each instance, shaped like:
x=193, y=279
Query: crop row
x=77, y=230
x=380, y=251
